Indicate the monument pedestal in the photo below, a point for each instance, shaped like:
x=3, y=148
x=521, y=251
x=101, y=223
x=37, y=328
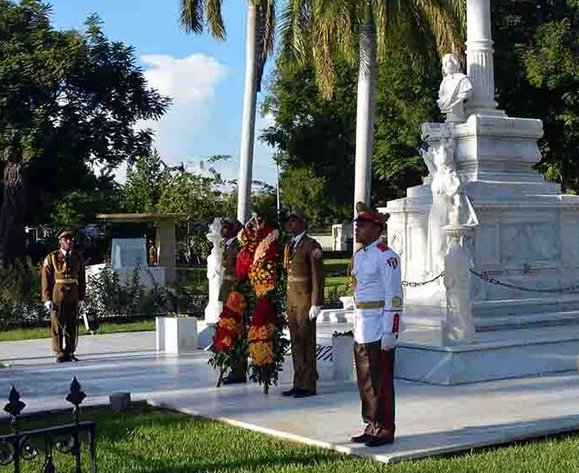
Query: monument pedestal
x=527, y=237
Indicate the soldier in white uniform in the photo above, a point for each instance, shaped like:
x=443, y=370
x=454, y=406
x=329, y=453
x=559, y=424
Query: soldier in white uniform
x=378, y=305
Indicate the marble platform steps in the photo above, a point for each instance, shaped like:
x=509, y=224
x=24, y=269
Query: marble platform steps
x=431, y=420
x=536, y=312
x=422, y=355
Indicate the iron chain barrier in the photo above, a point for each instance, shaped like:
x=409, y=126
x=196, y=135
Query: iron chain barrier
x=485, y=277
x=423, y=283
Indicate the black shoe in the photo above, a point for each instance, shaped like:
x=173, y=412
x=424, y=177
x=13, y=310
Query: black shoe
x=230, y=379
x=379, y=441
x=72, y=358
x=60, y=359
x=303, y=393
x=362, y=438
x=289, y=392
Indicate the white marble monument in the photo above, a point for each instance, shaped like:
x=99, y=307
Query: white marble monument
x=127, y=256
x=504, y=222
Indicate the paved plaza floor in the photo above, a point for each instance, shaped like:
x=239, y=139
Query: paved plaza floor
x=431, y=420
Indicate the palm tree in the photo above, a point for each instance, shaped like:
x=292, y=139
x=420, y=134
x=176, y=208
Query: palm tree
x=259, y=45
x=362, y=31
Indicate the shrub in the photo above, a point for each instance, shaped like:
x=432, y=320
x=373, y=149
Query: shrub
x=20, y=299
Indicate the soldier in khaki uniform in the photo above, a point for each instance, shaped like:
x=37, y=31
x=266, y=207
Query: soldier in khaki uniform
x=63, y=292
x=304, y=263
x=230, y=227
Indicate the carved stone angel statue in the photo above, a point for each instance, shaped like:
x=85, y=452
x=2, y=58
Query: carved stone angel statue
x=446, y=202
x=455, y=88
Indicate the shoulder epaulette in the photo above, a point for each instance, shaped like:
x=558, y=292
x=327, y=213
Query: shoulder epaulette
x=383, y=247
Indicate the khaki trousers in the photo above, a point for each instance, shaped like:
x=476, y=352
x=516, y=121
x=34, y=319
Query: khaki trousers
x=303, y=343
x=64, y=327
x=375, y=373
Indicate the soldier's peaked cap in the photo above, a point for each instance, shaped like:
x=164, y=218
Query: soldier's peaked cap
x=232, y=221
x=297, y=213
x=64, y=234
x=366, y=214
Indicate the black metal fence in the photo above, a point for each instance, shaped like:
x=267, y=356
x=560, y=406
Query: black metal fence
x=19, y=446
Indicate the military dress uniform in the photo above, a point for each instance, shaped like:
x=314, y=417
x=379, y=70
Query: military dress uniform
x=378, y=306
x=304, y=263
x=63, y=283
x=229, y=259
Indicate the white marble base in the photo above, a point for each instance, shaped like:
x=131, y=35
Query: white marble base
x=205, y=334
x=516, y=353
x=343, y=359
x=176, y=334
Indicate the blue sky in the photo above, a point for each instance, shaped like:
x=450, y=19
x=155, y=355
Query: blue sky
x=204, y=76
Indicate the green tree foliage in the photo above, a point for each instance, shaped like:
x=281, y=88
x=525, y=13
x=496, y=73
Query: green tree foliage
x=316, y=136
x=70, y=100
x=78, y=208
x=537, y=76
x=145, y=181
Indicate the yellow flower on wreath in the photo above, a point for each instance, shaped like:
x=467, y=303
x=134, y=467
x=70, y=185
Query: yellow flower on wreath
x=261, y=353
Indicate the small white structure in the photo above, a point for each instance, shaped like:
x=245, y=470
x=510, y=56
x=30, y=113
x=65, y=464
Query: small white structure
x=176, y=334
x=214, y=273
x=127, y=256
x=342, y=235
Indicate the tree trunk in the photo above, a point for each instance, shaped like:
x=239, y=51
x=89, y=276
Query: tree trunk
x=12, y=241
x=367, y=76
x=248, y=124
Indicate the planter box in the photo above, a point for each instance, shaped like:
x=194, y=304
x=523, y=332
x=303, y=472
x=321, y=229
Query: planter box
x=343, y=358
x=176, y=334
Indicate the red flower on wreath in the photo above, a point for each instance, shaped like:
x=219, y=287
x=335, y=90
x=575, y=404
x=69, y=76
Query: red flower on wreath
x=229, y=326
x=261, y=333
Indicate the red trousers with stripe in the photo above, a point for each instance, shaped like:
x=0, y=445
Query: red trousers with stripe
x=375, y=373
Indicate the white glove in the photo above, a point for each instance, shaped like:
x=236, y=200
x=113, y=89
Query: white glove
x=314, y=312
x=348, y=303
x=388, y=341
x=80, y=305
x=48, y=305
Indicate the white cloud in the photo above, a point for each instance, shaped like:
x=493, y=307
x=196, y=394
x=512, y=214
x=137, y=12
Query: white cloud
x=192, y=78
x=191, y=83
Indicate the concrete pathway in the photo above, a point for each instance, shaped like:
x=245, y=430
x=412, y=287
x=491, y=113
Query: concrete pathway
x=430, y=419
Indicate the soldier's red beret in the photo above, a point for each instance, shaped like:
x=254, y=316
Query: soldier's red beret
x=367, y=215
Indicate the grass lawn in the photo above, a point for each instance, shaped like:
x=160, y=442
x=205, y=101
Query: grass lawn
x=336, y=276
x=158, y=441
x=44, y=332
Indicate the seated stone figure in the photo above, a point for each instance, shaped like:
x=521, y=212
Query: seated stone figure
x=455, y=88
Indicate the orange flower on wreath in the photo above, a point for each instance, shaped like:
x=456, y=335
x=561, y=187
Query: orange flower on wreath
x=229, y=326
x=261, y=353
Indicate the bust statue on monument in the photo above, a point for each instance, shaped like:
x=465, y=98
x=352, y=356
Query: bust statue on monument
x=455, y=88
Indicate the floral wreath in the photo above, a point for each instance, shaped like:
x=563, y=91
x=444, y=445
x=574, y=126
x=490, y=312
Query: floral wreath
x=257, y=301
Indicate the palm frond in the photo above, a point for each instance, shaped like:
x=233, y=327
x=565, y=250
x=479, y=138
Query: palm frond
x=192, y=16
x=215, y=18
x=266, y=18
x=294, y=27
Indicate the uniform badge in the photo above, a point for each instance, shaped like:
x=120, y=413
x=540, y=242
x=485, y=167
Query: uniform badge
x=392, y=262
x=317, y=253
x=396, y=302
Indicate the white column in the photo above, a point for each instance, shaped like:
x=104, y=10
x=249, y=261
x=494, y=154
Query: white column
x=248, y=124
x=479, y=58
x=366, y=108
